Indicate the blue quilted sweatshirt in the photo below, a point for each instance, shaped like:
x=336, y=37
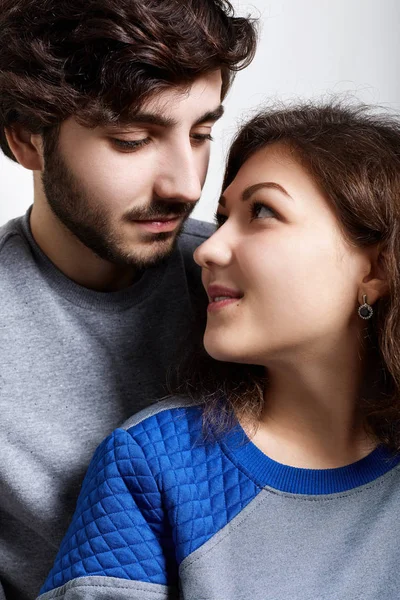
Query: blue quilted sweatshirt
x=165, y=513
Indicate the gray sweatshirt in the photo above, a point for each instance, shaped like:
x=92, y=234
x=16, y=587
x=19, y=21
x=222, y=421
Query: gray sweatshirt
x=74, y=364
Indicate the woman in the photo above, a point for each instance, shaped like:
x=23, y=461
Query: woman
x=280, y=477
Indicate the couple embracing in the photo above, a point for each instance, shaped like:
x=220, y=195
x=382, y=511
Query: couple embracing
x=272, y=471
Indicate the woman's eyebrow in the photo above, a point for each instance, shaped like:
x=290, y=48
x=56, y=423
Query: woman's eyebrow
x=252, y=189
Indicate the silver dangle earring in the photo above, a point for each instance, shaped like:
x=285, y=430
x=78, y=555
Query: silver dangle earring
x=365, y=310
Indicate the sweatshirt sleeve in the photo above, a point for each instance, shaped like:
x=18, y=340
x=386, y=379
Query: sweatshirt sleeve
x=119, y=543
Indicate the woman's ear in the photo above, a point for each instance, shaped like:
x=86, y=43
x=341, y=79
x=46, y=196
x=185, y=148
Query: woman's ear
x=26, y=147
x=375, y=284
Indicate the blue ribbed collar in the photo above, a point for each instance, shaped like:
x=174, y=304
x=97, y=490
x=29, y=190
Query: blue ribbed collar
x=268, y=472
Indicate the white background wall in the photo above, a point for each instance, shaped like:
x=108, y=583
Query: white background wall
x=308, y=49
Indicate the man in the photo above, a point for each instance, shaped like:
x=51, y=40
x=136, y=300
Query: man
x=111, y=104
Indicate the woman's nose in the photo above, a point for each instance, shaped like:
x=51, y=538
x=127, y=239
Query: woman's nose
x=217, y=250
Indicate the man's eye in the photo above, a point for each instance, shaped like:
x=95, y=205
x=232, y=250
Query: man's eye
x=261, y=211
x=220, y=219
x=130, y=145
x=200, y=138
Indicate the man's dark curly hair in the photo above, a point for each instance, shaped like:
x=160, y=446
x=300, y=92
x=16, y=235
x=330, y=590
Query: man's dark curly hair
x=99, y=60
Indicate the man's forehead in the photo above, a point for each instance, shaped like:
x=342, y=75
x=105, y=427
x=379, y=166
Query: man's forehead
x=201, y=90
x=198, y=102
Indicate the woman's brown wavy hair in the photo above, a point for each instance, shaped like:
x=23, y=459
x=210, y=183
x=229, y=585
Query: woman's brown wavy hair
x=101, y=59
x=353, y=153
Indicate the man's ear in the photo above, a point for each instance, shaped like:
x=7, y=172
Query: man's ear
x=26, y=147
x=375, y=285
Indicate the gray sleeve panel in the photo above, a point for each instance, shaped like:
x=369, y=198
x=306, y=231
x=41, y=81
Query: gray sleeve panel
x=2, y=594
x=165, y=404
x=285, y=546
x=104, y=588
x=208, y=573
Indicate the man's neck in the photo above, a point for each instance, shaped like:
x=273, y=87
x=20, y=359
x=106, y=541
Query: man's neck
x=74, y=259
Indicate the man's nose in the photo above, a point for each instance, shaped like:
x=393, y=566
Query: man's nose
x=181, y=177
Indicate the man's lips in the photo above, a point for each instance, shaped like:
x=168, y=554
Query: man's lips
x=158, y=224
x=221, y=296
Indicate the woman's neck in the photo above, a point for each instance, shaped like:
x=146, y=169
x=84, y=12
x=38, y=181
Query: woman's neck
x=310, y=417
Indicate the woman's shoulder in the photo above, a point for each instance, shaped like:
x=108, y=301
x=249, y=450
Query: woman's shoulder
x=166, y=432
x=164, y=415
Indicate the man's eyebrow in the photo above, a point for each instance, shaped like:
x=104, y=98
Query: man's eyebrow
x=210, y=116
x=149, y=118
x=152, y=119
x=252, y=189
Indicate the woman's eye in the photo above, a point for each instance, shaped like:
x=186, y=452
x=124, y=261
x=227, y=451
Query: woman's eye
x=130, y=145
x=261, y=211
x=219, y=219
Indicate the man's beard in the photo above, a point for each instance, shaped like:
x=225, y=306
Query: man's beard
x=90, y=223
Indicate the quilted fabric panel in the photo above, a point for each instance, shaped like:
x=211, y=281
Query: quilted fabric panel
x=119, y=528
x=152, y=495
x=201, y=488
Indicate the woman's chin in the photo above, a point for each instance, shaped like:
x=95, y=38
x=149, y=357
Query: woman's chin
x=223, y=352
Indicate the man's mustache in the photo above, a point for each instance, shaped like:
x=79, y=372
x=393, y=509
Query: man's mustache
x=163, y=208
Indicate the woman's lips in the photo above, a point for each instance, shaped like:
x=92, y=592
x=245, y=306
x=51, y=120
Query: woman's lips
x=221, y=296
x=217, y=305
